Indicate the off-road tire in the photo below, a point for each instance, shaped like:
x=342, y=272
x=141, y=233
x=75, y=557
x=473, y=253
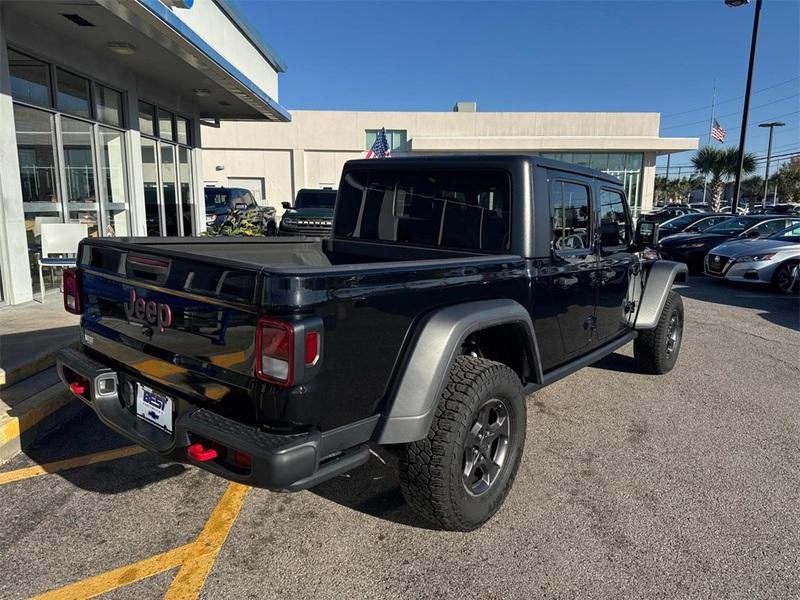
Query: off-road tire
x=431, y=469
x=651, y=349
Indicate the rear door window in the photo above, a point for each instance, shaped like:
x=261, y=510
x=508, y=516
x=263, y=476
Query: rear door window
x=449, y=209
x=768, y=227
x=614, y=226
x=570, y=220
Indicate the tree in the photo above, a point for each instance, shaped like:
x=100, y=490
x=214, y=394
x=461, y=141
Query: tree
x=788, y=181
x=753, y=188
x=721, y=165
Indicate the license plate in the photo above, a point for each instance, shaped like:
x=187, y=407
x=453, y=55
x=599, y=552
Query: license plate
x=154, y=408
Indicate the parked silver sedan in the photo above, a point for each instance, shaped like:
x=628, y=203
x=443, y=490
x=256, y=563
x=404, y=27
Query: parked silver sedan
x=771, y=260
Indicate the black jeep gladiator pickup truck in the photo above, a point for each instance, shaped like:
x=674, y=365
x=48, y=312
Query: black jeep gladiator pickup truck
x=453, y=286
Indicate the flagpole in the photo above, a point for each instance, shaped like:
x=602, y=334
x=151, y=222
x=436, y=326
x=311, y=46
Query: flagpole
x=710, y=126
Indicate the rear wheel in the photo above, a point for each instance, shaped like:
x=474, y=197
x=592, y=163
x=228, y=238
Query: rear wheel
x=458, y=476
x=783, y=280
x=656, y=350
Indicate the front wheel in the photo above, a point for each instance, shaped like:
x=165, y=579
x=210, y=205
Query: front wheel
x=656, y=350
x=458, y=476
x=784, y=278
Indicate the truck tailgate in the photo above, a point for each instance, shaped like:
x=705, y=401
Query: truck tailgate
x=187, y=324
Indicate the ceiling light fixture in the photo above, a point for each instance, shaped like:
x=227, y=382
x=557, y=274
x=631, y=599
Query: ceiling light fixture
x=123, y=48
x=202, y=92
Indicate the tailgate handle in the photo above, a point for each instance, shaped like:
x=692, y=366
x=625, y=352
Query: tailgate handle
x=147, y=268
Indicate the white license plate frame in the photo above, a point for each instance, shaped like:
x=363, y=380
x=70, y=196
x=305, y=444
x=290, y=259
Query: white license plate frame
x=155, y=408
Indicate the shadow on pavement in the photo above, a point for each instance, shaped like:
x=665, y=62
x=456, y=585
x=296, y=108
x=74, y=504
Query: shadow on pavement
x=775, y=307
x=617, y=362
x=20, y=348
x=373, y=489
x=85, y=434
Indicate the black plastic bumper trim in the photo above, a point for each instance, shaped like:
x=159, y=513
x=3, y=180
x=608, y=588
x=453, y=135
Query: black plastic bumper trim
x=279, y=461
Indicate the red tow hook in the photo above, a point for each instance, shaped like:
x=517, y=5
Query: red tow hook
x=200, y=454
x=76, y=388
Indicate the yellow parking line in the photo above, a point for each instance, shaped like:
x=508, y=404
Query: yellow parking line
x=111, y=580
x=190, y=579
x=195, y=559
x=69, y=463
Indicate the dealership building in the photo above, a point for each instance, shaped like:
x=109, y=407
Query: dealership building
x=101, y=105
x=275, y=160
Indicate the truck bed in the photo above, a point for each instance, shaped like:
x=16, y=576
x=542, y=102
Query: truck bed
x=367, y=294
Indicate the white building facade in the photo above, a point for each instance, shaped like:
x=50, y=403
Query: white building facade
x=275, y=160
x=101, y=104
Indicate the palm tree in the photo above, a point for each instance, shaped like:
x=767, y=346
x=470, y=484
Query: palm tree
x=721, y=164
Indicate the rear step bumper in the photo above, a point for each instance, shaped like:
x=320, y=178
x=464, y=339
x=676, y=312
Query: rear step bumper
x=277, y=461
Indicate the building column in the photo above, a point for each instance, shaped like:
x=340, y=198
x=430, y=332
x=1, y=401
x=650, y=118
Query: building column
x=648, y=180
x=298, y=172
x=13, y=240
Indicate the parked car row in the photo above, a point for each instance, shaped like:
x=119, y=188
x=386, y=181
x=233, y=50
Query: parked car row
x=751, y=248
x=311, y=215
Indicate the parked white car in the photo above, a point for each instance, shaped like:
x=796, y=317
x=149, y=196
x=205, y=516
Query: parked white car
x=771, y=260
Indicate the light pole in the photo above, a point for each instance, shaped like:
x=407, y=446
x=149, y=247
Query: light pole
x=753, y=40
x=771, y=126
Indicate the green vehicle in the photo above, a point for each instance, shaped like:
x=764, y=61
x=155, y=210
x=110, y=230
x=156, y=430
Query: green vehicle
x=311, y=215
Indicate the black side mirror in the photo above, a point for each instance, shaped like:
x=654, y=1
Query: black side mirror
x=692, y=229
x=646, y=234
x=239, y=206
x=286, y=204
x=753, y=233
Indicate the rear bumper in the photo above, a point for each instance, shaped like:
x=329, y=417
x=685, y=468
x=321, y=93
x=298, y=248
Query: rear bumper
x=291, y=461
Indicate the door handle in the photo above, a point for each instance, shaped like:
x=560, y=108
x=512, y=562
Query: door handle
x=565, y=282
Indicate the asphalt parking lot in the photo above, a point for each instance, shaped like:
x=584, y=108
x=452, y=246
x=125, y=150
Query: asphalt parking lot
x=680, y=486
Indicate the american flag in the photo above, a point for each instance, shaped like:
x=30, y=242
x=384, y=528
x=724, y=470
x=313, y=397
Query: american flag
x=380, y=148
x=717, y=132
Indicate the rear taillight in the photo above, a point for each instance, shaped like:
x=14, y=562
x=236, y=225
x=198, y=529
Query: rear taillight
x=312, y=348
x=288, y=352
x=275, y=352
x=72, y=291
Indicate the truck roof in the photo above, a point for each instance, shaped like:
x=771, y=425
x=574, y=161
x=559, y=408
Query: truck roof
x=427, y=161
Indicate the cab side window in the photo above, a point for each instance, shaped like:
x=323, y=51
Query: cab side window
x=569, y=216
x=614, y=228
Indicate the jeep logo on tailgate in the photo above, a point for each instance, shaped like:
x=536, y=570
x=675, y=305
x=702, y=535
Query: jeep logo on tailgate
x=149, y=311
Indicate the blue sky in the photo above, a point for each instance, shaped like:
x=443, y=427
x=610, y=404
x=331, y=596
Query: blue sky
x=542, y=56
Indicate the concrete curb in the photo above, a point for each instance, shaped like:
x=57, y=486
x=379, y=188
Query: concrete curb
x=33, y=418
x=38, y=364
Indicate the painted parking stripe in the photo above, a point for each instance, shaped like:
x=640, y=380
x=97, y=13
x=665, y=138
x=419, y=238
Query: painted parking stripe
x=70, y=463
x=111, y=580
x=195, y=559
x=193, y=574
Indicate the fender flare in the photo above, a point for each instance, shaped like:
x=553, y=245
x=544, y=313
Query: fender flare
x=412, y=402
x=657, y=281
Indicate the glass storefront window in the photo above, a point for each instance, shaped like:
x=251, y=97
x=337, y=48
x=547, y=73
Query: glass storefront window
x=182, y=129
x=165, y=125
x=633, y=162
x=616, y=162
x=396, y=138
x=109, y=106
x=581, y=159
x=147, y=118
x=73, y=93
x=150, y=177
x=81, y=190
x=113, y=167
x=185, y=178
x=39, y=177
x=30, y=79
x=168, y=188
